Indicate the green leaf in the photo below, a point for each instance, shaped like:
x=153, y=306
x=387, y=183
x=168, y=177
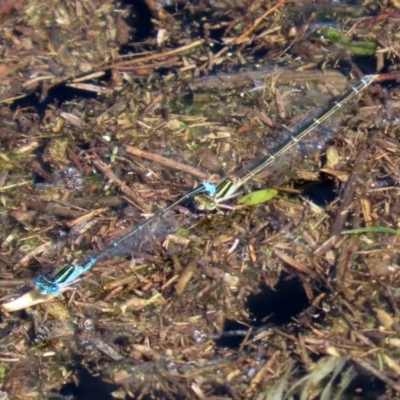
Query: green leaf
x=363, y=48
x=371, y=229
x=258, y=197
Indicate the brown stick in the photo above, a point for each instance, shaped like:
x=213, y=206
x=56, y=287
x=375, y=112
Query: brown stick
x=249, y=31
x=153, y=56
x=374, y=371
x=166, y=161
x=105, y=169
x=343, y=210
x=348, y=195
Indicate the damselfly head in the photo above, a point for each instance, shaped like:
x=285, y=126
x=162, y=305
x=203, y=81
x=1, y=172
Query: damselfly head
x=210, y=188
x=46, y=286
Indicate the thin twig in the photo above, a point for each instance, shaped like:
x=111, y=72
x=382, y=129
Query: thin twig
x=372, y=370
x=152, y=57
x=348, y=195
x=106, y=170
x=249, y=31
x=166, y=161
x=343, y=211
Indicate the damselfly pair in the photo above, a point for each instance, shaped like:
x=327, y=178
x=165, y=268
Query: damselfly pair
x=207, y=196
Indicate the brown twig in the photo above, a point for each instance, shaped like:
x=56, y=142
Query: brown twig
x=343, y=210
x=390, y=76
x=24, y=261
x=249, y=31
x=372, y=370
x=348, y=195
x=105, y=169
x=152, y=57
x=166, y=161
x=292, y=262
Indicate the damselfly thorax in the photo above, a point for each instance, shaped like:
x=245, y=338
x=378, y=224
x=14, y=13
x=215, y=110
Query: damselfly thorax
x=226, y=190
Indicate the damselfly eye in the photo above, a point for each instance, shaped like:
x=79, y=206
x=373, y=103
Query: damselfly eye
x=53, y=289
